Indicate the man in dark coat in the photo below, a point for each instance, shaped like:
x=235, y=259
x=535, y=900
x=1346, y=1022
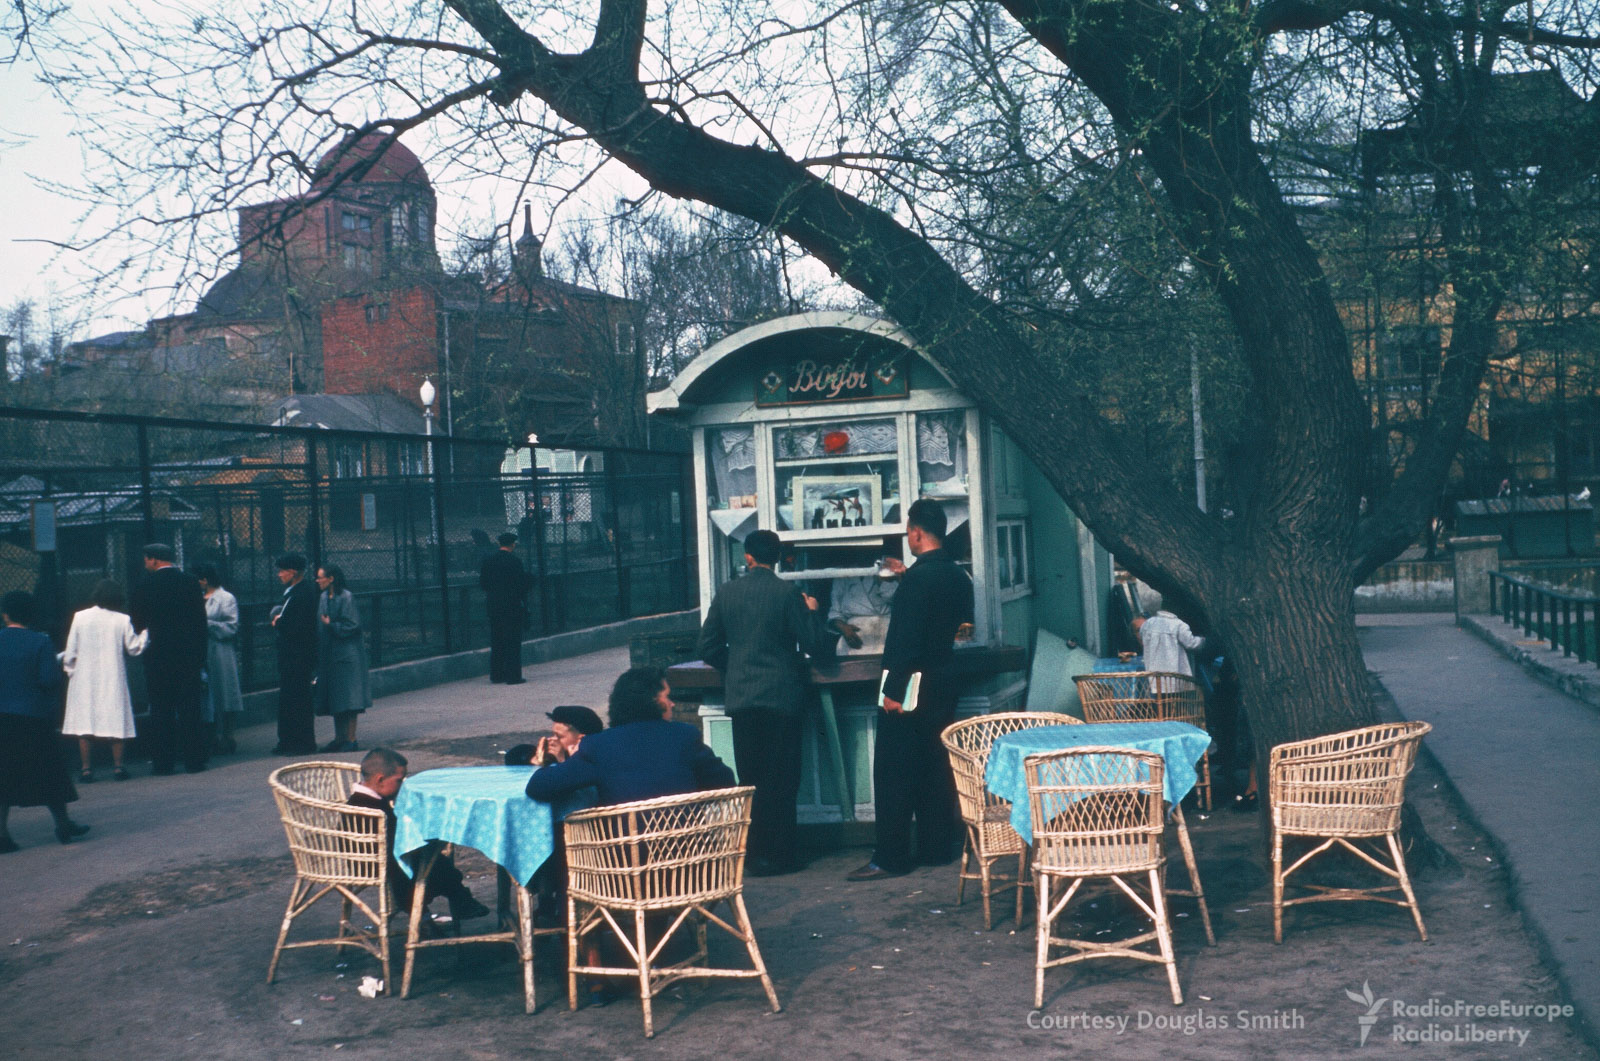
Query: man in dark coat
x=169, y=603
x=642, y=755
x=756, y=632
x=910, y=771
x=295, y=625
x=505, y=586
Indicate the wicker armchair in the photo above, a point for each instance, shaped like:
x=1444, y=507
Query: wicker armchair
x=338, y=850
x=679, y=855
x=986, y=816
x=1342, y=788
x=1097, y=814
x=1148, y=696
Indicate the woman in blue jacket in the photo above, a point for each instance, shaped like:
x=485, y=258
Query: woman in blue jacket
x=32, y=773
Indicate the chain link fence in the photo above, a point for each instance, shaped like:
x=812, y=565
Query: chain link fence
x=409, y=518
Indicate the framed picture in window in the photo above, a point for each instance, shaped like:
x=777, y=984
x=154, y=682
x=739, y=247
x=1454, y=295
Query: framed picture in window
x=826, y=502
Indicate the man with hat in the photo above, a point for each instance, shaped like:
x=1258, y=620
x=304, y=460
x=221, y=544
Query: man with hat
x=295, y=624
x=505, y=588
x=169, y=604
x=571, y=723
x=757, y=633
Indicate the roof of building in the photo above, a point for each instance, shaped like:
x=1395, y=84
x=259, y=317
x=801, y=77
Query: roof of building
x=245, y=292
x=113, y=341
x=394, y=162
x=350, y=412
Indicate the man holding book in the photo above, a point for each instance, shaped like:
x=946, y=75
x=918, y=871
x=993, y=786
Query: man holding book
x=911, y=775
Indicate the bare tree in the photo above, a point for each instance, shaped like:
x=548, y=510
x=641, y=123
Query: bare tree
x=1010, y=182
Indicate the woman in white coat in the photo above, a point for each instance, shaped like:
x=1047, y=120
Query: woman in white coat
x=96, y=662
x=222, y=658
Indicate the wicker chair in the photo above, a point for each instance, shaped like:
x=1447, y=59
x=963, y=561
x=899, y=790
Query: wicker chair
x=678, y=854
x=1148, y=696
x=338, y=850
x=1341, y=788
x=1097, y=814
x=986, y=816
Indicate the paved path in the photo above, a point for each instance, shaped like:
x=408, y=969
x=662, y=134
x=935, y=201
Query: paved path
x=1525, y=759
x=156, y=824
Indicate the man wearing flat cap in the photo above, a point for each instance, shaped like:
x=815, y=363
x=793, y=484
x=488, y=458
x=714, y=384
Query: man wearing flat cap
x=505, y=588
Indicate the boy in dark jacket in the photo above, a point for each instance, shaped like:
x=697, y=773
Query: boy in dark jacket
x=382, y=771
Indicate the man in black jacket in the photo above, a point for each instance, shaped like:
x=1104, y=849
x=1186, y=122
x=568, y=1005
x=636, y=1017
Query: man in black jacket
x=756, y=632
x=295, y=623
x=169, y=603
x=910, y=772
x=505, y=586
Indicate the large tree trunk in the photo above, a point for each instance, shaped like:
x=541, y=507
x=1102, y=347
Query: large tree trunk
x=1291, y=634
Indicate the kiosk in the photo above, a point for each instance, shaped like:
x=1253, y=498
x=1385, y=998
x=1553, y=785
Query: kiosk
x=825, y=427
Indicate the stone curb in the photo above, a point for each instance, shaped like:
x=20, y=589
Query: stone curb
x=1565, y=673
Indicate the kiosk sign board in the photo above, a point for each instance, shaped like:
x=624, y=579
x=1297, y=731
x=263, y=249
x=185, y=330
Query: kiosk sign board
x=862, y=376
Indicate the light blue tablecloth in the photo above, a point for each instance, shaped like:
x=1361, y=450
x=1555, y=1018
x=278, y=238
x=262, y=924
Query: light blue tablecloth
x=1179, y=744
x=482, y=807
x=1113, y=665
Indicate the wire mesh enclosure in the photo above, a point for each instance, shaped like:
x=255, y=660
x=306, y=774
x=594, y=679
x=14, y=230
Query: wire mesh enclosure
x=408, y=517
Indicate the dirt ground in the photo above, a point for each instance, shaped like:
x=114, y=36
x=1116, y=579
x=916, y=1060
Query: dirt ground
x=173, y=965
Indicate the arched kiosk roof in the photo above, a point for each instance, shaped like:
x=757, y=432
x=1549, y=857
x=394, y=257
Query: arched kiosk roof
x=815, y=334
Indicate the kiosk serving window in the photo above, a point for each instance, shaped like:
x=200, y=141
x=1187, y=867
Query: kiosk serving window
x=839, y=475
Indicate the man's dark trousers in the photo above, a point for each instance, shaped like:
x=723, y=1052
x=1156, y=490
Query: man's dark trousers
x=177, y=730
x=505, y=645
x=911, y=777
x=297, y=725
x=766, y=751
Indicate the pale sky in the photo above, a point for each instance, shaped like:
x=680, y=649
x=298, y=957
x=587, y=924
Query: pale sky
x=37, y=148
x=36, y=144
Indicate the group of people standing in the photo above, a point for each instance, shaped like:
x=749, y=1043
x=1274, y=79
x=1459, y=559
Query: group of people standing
x=184, y=626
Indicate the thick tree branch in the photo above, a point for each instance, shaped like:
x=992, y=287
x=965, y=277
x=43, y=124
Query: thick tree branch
x=1280, y=16
x=965, y=333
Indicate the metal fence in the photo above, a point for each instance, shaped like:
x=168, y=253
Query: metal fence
x=1569, y=620
x=409, y=518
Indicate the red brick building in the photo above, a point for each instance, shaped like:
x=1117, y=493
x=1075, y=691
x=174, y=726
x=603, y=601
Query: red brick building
x=339, y=290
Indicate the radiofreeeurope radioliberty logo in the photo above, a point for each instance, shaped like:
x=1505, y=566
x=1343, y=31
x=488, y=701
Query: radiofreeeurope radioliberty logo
x=1370, y=1017
x=1447, y=1020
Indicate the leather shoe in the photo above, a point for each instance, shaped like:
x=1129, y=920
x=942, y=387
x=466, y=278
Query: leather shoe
x=70, y=832
x=871, y=871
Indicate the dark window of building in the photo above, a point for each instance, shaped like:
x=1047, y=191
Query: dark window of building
x=357, y=259
x=359, y=223
x=377, y=311
x=400, y=223
x=1409, y=350
x=349, y=460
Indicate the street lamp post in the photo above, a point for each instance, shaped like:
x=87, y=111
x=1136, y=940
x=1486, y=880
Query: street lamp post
x=428, y=393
